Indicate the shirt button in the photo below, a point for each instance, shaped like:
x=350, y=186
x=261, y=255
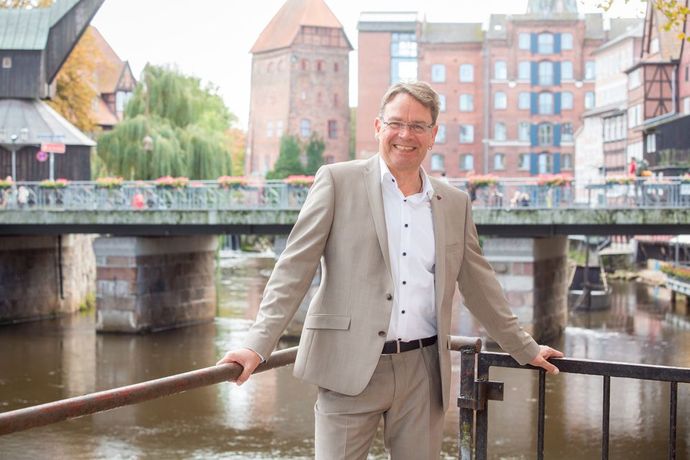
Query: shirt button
x=389, y=296
x=404, y=253
x=382, y=333
x=404, y=282
x=406, y=225
x=403, y=312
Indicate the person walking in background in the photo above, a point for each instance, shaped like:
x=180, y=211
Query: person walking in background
x=393, y=243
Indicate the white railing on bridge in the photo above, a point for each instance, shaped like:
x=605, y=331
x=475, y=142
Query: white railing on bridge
x=531, y=193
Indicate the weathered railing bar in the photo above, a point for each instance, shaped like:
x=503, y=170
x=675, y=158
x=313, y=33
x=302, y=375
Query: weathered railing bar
x=605, y=418
x=673, y=421
x=57, y=411
x=542, y=415
x=460, y=343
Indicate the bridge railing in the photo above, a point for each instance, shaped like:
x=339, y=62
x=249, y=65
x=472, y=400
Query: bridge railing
x=503, y=193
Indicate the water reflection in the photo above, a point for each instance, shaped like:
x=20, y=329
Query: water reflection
x=272, y=415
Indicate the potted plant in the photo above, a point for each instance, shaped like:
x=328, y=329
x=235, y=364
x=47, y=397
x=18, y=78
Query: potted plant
x=109, y=182
x=300, y=180
x=554, y=180
x=228, y=182
x=620, y=180
x=54, y=184
x=169, y=182
x=6, y=183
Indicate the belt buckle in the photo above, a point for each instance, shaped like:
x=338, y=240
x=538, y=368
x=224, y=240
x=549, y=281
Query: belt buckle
x=397, y=346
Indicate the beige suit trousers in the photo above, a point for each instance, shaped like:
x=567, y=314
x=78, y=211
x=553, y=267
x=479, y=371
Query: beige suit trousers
x=406, y=390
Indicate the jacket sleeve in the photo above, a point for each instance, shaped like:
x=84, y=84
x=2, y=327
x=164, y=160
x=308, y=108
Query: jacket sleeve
x=484, y=297
x=295, y=269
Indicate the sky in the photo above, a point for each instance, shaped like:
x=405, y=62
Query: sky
x=211, y=39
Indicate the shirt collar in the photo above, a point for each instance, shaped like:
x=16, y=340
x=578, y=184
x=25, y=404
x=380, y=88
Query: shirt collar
x=427, y=189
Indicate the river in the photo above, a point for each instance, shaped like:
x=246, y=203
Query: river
x=271, y=416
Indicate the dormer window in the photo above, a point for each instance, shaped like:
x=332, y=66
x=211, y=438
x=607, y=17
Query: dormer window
x=6, y=62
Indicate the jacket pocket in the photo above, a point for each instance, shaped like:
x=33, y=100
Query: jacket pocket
x=341, y=322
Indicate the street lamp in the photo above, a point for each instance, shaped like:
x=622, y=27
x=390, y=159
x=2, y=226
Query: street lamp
x=13, y=138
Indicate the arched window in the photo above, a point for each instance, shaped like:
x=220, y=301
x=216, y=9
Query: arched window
x=545, y=134
x=500, y=131
x=545, y=43
x=438, y=162
x=546, y=73
x=545, y=103
x=305, y=128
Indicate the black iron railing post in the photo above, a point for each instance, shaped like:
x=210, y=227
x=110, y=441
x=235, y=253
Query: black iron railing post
x=466, y=429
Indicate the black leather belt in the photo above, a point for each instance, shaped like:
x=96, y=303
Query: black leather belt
x=396, y=346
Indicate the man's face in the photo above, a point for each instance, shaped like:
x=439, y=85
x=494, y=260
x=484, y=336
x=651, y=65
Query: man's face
x=403, y=149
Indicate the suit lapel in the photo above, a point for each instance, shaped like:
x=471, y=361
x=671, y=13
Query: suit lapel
x=372, y=178
x=438, y=218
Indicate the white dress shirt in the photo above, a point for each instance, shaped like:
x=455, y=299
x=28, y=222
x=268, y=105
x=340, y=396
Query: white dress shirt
x=412, y=256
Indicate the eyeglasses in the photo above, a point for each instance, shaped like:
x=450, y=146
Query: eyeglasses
x=416, y=128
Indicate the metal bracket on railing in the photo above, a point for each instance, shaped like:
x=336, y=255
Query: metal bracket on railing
x=482, y=391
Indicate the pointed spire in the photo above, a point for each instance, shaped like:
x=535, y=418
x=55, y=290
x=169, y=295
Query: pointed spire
x=286, y=24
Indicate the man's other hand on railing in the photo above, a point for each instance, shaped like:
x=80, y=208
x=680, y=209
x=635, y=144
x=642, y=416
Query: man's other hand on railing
x=541, y=359
x=248, y=359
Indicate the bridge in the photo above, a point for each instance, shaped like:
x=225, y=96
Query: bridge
x=153, y=268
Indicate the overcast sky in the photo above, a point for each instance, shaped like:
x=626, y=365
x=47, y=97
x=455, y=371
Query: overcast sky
x=211, y=38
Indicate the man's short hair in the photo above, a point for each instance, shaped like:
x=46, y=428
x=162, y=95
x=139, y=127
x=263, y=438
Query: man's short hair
x=421, y=91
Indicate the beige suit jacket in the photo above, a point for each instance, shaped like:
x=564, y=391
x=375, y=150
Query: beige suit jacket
x=342, y=226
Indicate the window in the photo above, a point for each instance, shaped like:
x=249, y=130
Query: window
x=634, y=79
x=467, y=162
x=269, y=129
x=279, y=128
x=466, y=134
x=566, y=161
x=336, y=67
x=438, y=73
x=566, y=70
x=545, y=103
x=566, y=100
x=500, y=70
x=523, y=162
x=686, y=105
x=545, y=134
x=635, y=115
x=121, y=100
x=590, y=70
x=524, y=40
x=305, y=128
x=403, y=57
x=566, y=41
x=654, y=45
x=332, y=129
x=546, y=73
x=7, y=62
x=441, y=134
x=500, y=100
x=545, y=163
x=304, y=64
x=319, y=65
x=500, y=132
x=524, y=70
x=499, y=162
x=442, y=102
x=524, y=100
x=523, y=131
x=545, y=43
x=466, y=103
x=651, y=142
x=589, y=99
x=438, y=162
x=466, y=73
x=567, y=132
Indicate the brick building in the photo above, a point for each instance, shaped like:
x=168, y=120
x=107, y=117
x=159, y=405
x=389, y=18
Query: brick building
x=299, y=84
x=514, y=94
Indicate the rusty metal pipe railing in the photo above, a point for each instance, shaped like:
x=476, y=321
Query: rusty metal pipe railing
x=64, y=409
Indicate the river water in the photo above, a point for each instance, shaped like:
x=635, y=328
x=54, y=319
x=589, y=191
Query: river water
x=271, y=416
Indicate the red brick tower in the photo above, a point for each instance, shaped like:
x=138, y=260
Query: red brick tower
x=299, y=84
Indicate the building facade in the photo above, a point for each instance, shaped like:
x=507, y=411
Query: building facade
x=299, y=84
x=512, y=96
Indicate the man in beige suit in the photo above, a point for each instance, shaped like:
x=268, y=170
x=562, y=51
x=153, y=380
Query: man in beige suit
x=392, y=243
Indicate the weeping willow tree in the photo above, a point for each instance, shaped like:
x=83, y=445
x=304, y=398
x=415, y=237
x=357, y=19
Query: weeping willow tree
x=172, y=126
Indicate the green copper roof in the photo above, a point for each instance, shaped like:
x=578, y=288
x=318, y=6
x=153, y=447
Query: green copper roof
x=22, y=29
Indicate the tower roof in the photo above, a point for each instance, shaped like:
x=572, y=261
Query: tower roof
x=550, y=7
x=285, y=25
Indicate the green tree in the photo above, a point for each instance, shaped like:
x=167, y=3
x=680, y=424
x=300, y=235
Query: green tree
x=187, y=123
x=288, y=162
x=675, y=12
x=314, y=150
x=25, y=3
x=353, y=132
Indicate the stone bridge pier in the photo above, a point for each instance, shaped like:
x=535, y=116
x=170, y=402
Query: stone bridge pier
x=154, y=283
x=534, y=276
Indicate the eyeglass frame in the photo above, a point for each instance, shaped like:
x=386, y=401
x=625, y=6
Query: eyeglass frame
x=411, y=127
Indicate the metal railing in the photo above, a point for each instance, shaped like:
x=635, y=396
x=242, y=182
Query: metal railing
x=503, y=193
x=476, y=389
